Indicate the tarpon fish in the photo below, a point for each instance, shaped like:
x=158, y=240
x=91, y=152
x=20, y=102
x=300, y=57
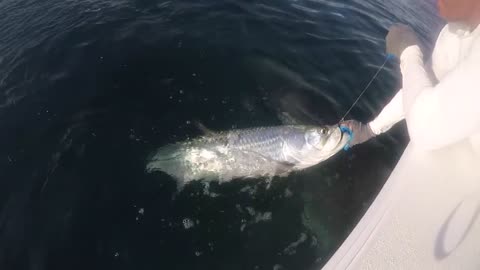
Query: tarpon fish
x=248, y=153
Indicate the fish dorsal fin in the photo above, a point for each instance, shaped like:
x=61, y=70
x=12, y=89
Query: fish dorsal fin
x=203, y=128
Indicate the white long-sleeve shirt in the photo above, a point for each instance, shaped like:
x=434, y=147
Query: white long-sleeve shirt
x=426, y=216
x=439, y=114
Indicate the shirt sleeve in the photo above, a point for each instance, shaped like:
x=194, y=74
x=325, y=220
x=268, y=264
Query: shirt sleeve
x=393, y=112
x=445, y=113
x=390, y=115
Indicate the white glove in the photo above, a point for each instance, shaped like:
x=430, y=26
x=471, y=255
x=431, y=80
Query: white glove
x=399, y=38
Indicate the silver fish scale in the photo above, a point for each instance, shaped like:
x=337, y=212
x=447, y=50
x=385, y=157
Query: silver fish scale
x=266, y=141
x=238, y=154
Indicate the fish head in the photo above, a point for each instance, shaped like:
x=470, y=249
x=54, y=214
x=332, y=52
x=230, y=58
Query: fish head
x=320, y=143
x=326, y=138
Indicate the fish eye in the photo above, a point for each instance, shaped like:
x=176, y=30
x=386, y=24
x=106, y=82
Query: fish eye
x=323, y=131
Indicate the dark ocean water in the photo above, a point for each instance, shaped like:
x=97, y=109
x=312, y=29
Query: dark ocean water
x=89, y=89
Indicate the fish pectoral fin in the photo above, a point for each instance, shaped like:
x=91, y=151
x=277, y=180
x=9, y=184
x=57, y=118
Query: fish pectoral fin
x=283, y=168
x=203, y=128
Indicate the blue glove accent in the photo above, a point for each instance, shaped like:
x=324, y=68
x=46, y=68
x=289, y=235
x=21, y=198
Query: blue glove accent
x=390, y=56
x=345, y=129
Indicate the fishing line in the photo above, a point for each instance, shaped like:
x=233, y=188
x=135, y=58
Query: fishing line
x=389, y=56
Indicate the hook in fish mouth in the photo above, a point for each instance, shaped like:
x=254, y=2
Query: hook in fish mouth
x=341, y=136
x=343, y=131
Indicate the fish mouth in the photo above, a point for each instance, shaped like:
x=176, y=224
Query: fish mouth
x=343, y=140
x=338, y=139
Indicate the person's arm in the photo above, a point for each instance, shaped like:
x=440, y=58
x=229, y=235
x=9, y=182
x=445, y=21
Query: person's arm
x=442, y=114
x=399, y=39
x=391, y=114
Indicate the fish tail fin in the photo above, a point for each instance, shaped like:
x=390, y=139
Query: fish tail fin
x=170, y=160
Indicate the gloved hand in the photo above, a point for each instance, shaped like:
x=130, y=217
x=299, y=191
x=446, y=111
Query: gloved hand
x=399, y=38
x=360, y=132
